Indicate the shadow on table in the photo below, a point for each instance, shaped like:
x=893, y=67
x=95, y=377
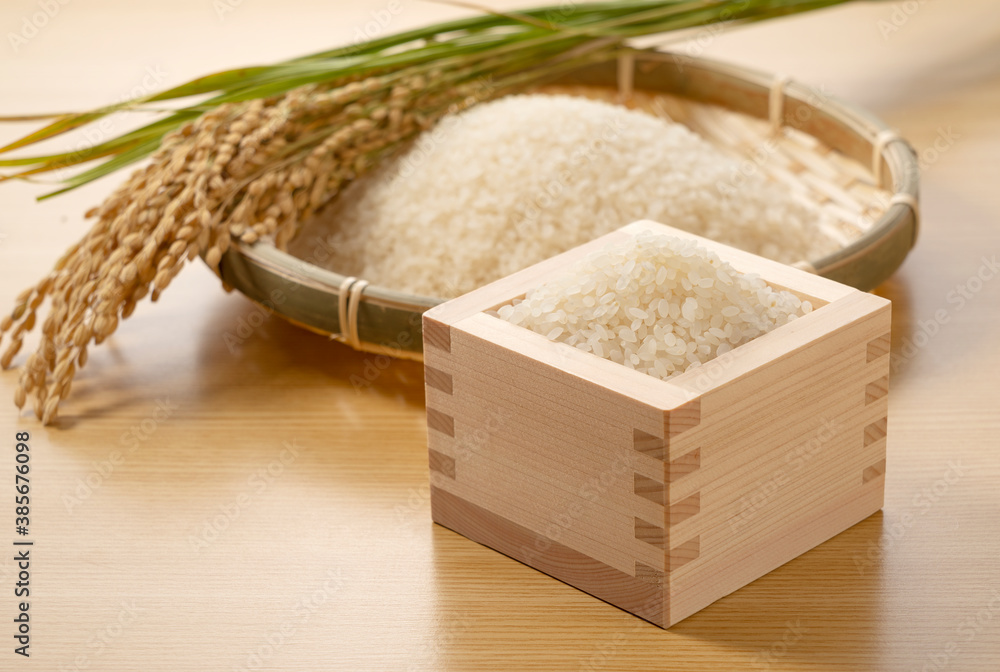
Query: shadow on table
x=822, y=610
x=277, y=350
x=223, y=358
x=897, y=290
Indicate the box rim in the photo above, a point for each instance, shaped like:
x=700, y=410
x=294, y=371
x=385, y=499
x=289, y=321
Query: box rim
x=470, y=313
x=668, y=395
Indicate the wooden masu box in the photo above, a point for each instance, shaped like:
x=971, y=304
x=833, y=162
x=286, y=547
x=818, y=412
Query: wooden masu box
x=659, y=497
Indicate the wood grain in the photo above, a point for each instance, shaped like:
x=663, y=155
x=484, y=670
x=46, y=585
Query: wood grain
x=348, y=521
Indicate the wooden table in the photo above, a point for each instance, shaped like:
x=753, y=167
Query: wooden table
x=202, y=506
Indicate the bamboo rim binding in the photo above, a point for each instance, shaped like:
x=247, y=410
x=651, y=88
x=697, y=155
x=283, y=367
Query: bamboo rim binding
x=882, y=141
x=776, y=113
x=349, y=298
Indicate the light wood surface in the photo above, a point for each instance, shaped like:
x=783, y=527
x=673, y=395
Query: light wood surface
x=542, y=451
x=261, y=505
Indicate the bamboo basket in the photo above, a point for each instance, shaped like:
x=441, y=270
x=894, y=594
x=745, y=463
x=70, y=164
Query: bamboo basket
x=836, y=155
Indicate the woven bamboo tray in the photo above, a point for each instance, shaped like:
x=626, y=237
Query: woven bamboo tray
x=834, y=154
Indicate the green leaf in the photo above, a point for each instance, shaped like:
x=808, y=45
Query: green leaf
x=62, y=125
x=533, y=42
x=126, y=158
x=155, y=130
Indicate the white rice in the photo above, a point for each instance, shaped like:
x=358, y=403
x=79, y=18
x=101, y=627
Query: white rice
x=658, y=304
x=511, y=182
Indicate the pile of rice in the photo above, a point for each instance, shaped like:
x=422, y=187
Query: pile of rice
x=658, y=304
x=511, y=182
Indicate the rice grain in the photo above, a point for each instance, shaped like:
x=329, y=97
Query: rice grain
x=509, y=183
x=660, y=323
